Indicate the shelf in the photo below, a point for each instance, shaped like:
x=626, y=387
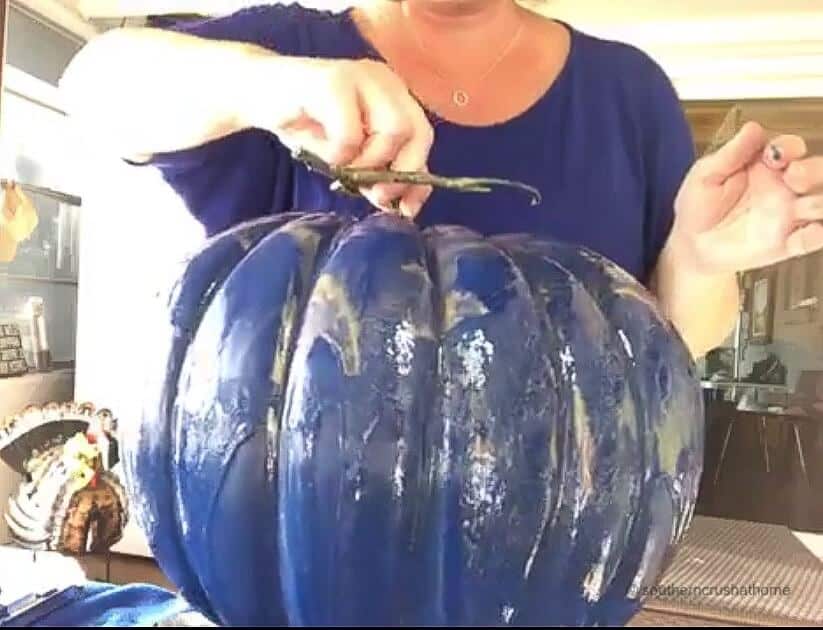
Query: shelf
x=803, y=304
x=72, y=200
x=764, y=387
x=21, y=278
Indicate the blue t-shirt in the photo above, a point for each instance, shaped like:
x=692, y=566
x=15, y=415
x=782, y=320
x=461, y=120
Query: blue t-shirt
x=608, y=146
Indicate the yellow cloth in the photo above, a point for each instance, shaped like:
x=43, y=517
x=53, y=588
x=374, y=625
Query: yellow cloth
x=18, y=220
x=8, y=246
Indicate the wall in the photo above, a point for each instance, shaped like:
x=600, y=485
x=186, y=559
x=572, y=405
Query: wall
x=797, y=335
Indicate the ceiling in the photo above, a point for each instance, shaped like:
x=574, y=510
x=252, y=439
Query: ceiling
x=735, y=48
x=580, y=11
x=625, y=11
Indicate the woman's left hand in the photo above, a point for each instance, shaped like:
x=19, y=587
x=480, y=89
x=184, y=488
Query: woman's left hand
x=752, y=203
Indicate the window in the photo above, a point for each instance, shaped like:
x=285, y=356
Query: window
x=36, y=150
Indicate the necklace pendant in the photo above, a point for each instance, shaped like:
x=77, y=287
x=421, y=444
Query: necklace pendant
x=460, y=98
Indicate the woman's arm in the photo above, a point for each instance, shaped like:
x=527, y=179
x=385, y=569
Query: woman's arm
x=144, y=92
x=703, y=307
x=147, y=91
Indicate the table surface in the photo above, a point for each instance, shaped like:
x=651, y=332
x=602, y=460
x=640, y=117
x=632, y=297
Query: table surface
x=30, y=572
x=25, y=572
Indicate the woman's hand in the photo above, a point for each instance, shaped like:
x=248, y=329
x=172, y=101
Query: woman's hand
x=353, y=113
x=751, y=204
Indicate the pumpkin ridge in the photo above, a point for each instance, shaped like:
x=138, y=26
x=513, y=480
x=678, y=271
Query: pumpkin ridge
x=484, y=447
x=505, y=243
x=628, y=310
x=342, y=465
x=604, y=293
x=241, y=418
x=186, y=306
x=535, y=255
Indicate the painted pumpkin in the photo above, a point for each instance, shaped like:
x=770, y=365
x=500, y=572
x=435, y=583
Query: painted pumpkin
x=359, y=423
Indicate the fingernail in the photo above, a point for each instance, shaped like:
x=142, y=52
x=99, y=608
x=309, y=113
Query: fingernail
x=409, y=210
x=774, y=156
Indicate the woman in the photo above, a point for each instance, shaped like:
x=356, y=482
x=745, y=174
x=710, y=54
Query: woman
x=462, y=87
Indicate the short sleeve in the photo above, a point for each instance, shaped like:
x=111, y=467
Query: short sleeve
x=247, y=174
x=669, y=153
x=269, y=25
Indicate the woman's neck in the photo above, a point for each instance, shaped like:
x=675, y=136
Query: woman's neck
x=464, y=59
x=459, y=16
x=448, y=30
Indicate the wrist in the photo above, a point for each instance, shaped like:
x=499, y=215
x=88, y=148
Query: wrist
x=690, y=255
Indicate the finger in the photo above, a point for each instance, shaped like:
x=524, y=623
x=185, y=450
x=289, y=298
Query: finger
x=809, y=208
x=805, y=176
x=386, y=120
x=735, y=155
x=342, y=122
x=385, y=194
x=412, y=202
x=783, y=150
x=412, y=156
x=805, y=240
x=377, y=151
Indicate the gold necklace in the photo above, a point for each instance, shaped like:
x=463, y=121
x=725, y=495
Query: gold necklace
x=460, y=96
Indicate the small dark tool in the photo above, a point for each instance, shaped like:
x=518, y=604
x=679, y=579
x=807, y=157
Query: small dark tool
x=351, y=180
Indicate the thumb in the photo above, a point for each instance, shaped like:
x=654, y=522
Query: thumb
x=743, y=149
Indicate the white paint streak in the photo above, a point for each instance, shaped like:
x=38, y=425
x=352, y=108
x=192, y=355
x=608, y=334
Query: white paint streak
x=476, y=353
x=399, y=475
x=626, y=343
x=593, y=583
x=507, y=614
x=577, y=510
x=401, y=348
x=544, y=523
x=567, y=363
x=485, y=490
x=637, y=583
x=370, y=429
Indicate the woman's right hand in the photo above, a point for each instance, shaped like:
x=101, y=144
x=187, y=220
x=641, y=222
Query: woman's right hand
x=355, y=113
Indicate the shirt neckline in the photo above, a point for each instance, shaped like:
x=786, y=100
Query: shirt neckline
x=536, y=106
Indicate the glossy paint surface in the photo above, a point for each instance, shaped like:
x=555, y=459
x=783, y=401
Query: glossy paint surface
x=362, y=424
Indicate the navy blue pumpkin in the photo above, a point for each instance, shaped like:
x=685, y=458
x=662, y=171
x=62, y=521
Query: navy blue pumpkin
x=359, y=423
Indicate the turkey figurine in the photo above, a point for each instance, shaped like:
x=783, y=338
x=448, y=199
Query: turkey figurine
x=70, y=500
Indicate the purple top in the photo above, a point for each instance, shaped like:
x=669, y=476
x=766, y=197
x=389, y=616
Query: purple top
x=608, y=146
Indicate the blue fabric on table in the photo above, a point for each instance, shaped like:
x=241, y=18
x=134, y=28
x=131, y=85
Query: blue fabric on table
x=101, y=604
